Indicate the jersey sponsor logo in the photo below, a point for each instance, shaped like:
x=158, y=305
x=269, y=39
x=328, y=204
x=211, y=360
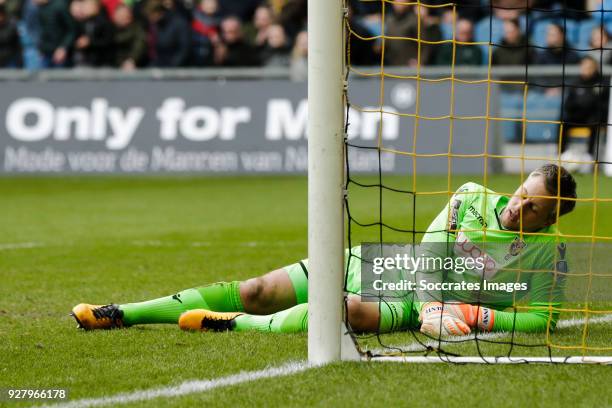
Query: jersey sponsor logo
x=466, y=248
x=477, y=215
x=515, y=248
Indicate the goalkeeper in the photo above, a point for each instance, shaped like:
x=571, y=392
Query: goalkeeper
x=277, y=301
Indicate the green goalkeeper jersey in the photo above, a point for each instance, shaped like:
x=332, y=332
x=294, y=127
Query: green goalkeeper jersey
x=514, y=269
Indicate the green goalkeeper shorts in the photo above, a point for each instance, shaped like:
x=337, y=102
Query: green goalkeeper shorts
x=298, y=273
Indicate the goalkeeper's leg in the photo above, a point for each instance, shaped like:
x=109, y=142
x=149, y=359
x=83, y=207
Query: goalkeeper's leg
x=362, y=316
x=370, y=316
x=265, y=294
x=274, y=291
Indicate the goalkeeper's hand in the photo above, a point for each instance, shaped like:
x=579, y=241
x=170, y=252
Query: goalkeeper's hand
x=473, y=315
x=438, y=320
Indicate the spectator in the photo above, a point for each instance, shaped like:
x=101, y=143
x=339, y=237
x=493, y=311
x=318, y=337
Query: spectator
x=601, y=47
x=555, y=52
x=369, y=14
x=571, y=9
x=276, y=50
x=243, y=9
x=93, y=45
x=366, y=8
x=232, y=50
x=13, y=8
x=29, y=33
x=586, y=102
x=57, y=32
x=293, y=16
x=169, y=35
x=205, y=26
x=404, y=23
x=130, y=40
x=513, y=49
x=465, y=54
x=469, y=9
x=257, y=33
x=511, y=9
x=10, y=45
x=362, y=52
x=299, y=58
x=110, y=6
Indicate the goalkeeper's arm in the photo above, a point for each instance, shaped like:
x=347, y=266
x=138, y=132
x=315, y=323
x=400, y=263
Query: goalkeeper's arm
x=539, y=317
x=457, y=319
x=542, y=313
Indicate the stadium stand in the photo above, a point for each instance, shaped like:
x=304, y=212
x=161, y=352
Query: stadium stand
x=208, y=33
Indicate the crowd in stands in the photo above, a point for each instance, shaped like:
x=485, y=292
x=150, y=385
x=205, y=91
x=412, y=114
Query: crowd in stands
x=128, y=34
x=197, y=33
x=521, y=31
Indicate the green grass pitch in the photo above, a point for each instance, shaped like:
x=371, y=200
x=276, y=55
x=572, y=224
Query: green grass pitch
x=69, y=240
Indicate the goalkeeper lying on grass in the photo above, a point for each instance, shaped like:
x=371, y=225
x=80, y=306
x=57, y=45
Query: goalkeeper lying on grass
x=277, y=301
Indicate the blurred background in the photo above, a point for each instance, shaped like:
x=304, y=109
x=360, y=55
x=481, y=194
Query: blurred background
x=218, y=86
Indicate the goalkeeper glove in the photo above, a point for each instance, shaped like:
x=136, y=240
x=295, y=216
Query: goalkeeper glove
x=473, y=315
x=436, y=320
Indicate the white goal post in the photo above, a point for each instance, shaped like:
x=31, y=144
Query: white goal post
x=608, y=146
x=325, y=179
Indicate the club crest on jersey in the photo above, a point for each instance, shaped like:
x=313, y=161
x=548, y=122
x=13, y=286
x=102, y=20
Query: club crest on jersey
x=452, y=221
x=515, y=248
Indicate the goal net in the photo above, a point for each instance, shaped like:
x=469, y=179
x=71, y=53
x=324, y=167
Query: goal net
x=454, y=105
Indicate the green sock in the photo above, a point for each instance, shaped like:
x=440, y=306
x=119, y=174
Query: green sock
x=291, y=320
x=391, y=316
x=295, y=319
x=220, y=297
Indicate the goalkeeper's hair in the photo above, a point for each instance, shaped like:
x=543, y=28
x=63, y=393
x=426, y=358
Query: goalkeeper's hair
x=559, y=183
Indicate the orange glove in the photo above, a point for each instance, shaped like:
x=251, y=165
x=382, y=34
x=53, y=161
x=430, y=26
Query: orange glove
x=473, y=315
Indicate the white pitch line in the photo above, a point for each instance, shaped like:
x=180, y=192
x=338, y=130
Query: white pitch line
x=19, y=245
x=579, y=322
x=187, y=387
x=562, y=324
x=197, y=244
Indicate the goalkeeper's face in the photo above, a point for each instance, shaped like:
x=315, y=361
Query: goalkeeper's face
x=531, y=208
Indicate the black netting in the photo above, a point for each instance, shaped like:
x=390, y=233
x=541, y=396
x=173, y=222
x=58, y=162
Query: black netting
x=442, y=94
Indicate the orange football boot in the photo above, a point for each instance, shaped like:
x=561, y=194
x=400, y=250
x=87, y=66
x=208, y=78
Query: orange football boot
x=205, y=320
x=91, y=317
